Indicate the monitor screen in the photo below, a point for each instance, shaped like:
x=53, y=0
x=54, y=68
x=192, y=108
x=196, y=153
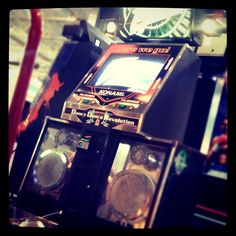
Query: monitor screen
x=134, y=73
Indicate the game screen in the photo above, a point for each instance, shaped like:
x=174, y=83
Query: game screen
x=134, y=73
x=215, y=139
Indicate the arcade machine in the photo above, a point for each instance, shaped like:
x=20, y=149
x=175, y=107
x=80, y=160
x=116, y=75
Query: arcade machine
x=211, y=208
x=116, y=158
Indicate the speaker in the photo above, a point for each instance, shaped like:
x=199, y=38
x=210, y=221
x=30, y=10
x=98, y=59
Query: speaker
x=130, y=187
x=41, y=190
x=125, y=180
x=152, y=183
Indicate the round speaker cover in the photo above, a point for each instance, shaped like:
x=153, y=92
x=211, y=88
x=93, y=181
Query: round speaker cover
x=153, y=162
x=130, y=194
x=63, y=137
x=49, y=169
x=139, y=154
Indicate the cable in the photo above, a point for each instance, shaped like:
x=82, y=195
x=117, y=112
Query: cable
x=53, y=213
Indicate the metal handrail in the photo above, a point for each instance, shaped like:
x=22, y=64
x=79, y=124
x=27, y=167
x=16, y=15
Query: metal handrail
x=18, y=99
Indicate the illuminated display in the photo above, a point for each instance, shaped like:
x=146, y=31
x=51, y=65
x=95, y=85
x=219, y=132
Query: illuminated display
x=125, y=87
x=134, y=73
x=155, y=23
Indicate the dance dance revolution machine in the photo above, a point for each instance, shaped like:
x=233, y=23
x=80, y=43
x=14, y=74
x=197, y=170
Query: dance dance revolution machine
x=140, y=88
x=116, y=158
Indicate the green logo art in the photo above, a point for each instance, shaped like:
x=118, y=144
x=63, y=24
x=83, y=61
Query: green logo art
x=180, y=161
x=91, y=115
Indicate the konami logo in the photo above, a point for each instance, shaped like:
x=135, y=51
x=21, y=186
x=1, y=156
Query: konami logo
x=111, y=93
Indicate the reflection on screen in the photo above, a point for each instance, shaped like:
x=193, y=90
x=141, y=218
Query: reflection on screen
x=134, y=73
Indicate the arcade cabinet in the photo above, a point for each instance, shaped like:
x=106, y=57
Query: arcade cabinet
x=116, y=157
x=140, y=88
x=135, y=175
